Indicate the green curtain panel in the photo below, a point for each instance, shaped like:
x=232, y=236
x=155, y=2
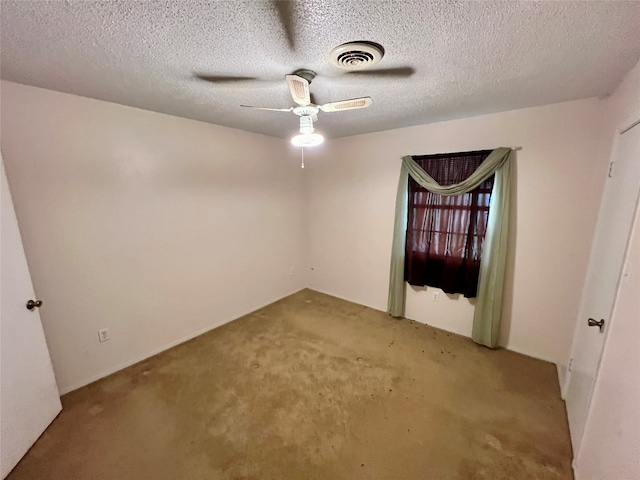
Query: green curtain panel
x=488, y=311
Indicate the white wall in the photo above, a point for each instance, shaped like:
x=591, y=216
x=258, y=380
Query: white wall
x=154, y=226
x=560, y=175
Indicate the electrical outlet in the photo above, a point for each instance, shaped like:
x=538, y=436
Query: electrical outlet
x=103, y=334
x=292, y=271
x=435, y=296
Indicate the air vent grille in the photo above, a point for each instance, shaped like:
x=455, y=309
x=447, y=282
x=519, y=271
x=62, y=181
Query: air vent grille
x=354, y=58
x=356, y=55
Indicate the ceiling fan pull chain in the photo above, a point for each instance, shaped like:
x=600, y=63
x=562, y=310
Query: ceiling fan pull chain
x=302, y=151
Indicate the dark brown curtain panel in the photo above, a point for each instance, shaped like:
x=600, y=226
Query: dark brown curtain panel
x=445, y=234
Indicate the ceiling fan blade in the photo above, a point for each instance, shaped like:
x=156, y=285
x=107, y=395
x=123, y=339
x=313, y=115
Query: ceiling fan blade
x=286, y=17
x=352, y=104
x=270, y=109
x=402, y=72
x=225, y=79
x=299, y=88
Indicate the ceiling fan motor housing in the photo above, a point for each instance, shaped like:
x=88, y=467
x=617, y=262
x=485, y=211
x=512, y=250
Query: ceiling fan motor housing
x=308, y=110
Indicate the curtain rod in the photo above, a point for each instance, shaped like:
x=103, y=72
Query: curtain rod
x=512, y=148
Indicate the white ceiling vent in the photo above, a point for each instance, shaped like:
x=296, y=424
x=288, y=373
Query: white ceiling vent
x=356, y=55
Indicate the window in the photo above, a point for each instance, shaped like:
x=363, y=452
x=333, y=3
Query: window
x=445, y=235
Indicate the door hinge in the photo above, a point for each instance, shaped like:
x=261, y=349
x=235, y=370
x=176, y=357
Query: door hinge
x=611, y=169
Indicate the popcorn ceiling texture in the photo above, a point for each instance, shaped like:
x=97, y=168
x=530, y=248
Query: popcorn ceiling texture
x=470, y=58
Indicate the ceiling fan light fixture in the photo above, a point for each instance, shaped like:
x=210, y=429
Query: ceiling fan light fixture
x=307, y=140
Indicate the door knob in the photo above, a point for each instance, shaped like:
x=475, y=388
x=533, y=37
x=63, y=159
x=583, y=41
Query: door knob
x=595, y=323
x=31, y=304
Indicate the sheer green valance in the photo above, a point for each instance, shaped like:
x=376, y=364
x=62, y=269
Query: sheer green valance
x=488, y=310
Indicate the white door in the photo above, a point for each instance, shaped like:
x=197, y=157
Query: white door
x=29, y=398
x=607, y=255
x=610, y=446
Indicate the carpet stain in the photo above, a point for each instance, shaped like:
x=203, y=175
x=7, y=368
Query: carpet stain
x=314, y=387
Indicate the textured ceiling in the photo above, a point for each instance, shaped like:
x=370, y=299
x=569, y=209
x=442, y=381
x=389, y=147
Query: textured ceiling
x=468, y=58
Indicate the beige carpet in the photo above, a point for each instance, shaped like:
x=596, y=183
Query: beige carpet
x=314, y=387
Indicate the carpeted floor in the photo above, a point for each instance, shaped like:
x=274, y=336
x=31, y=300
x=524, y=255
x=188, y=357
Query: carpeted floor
x=314, y=387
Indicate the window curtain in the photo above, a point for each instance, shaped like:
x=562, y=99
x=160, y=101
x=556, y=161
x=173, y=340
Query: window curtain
x=488, y=311
x=445, y=234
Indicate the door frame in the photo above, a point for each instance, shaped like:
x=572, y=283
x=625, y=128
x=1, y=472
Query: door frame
x=631, y=122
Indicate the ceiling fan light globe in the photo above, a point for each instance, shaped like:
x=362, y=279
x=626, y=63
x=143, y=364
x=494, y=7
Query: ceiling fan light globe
x=307, y=140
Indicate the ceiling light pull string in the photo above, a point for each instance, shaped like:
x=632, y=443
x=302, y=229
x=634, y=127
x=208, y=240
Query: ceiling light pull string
x=302, y=151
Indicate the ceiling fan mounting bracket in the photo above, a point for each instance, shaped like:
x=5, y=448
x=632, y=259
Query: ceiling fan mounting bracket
x=308, y=75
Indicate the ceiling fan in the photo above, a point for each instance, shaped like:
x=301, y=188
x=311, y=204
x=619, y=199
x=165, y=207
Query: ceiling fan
x=354, y=58
x=298, y=83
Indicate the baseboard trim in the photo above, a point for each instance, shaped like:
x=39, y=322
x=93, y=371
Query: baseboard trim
x=562, y=379
x=345, y=298
x=529, y=354
x=109, y=371
x=506, y=347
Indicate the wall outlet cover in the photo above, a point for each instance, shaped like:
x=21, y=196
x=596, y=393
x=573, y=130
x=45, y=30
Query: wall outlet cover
x=103, y=335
